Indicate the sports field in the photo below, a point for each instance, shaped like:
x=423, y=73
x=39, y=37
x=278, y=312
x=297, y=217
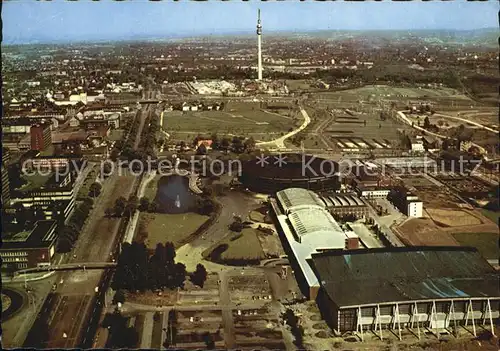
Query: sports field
x=373, y=92
x=240, y=118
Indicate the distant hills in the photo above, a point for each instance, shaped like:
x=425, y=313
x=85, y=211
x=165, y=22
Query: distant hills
x=480, y=37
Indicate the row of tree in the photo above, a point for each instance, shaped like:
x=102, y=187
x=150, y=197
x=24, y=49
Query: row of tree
x=125, y=146
x=236, y=144
x=137, y=270
x=149, y=136
x=68, y=234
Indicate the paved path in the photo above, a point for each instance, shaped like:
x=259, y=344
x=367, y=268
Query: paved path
x=147, y=331
x=465, y=120
x=280, y=142
x=129, y=234
x=406, y=120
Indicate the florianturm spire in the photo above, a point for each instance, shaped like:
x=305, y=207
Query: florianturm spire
x=259, y=46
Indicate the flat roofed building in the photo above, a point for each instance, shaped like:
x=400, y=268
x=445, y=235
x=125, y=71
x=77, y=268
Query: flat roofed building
x=293, y=199
x=345, y=204
x=419, y=287
x=30, y=248
x=306, y=227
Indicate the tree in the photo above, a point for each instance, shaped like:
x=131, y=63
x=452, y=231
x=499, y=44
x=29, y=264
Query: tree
x=249, y=144
x=95, y=189
x=199, y=276
x=201, y=150
x=180, y=274
x=108, y=212
x=236, y=225
x=122, y=201
x=293, y=321
x=106, y=169
x=215, y=142
x=119, y=297
x=225, y=143
x=427, y=123
x=169, y=252
x=130, y=208
x=143, y=204
x=153, y=207
x=119, y=209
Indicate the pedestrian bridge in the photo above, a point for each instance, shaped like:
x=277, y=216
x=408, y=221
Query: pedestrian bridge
x=67, y=267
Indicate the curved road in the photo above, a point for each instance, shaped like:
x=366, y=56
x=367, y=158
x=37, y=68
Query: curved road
x=280, y=142
x=467, y=122
x=425, y=131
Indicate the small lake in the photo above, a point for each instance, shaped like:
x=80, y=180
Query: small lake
x=174, y=196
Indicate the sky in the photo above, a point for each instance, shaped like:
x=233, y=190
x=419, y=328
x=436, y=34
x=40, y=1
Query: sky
x=27, y=21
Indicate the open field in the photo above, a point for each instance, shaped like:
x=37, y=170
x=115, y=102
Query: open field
x=238, y=118
x=244, y=246
x=157, y=228
x=423, y=232
x=300, y=85
x=486, y=243
x=491, y=215
x=453, y=218
x=439, y=198
x=369, y=92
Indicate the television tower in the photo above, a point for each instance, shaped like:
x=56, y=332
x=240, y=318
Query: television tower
x=259, y=45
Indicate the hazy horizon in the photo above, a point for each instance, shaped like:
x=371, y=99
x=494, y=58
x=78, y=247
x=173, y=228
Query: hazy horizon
x=66, y=22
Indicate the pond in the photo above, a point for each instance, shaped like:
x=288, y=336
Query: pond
x=174, y=196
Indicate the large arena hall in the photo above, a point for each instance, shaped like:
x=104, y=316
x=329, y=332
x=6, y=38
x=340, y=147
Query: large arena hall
x=297, y=171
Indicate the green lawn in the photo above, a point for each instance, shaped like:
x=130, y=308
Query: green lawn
x=245, y=247
x=385, y=90
x=152, y=188
x=486, y=243
x=157, y=228
x=230, y=121
x=116, y=134
x=491, y=215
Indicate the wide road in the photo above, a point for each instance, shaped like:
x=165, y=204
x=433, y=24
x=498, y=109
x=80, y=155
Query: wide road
x=72, y=308
x=143, y=115
x=67, y=308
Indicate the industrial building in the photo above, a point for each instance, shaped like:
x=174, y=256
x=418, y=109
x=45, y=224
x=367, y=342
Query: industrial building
x=437, y=289
x=407, y=202
x=306, y=227
x=29, y=248
x=345, y=204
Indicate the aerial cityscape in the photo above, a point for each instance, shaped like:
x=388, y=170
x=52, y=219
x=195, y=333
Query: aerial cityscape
x=250, y=176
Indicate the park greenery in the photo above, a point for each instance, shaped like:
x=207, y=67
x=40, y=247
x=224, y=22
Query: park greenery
x=68, y=233
x=137, y=270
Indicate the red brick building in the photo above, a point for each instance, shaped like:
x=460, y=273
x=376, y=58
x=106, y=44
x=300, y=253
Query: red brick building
x=41, y=136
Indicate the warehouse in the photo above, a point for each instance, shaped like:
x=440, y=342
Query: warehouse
x=345, y=204
x=437, y=289
x=306, y=227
